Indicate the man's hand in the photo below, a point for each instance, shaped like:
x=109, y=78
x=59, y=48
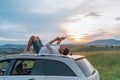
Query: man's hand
x=62, y=38
x=57, y=38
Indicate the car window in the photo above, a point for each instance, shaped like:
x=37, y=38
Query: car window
x=38, y=68
x=3, y=66
x=85, y=66
x=22, y=67
x=56, y=68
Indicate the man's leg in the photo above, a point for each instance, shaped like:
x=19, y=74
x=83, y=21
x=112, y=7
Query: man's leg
x=36, y=42
x=30, y=42
x=37, y=45
x=40, y=42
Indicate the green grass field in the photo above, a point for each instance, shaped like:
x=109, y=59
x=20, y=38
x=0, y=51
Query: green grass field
x=106, y=60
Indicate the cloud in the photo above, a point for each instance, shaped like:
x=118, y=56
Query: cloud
x=10, y=39
x=10, y=30
x=95, y=35
x=94, y=14
x=104, y=33
x=35, y=22
x=19, y=19
x=118, y=18
x=46, y=6
x=4, y=40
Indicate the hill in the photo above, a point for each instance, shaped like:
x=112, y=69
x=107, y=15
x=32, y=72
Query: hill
x=12, y=46
x=105, y=42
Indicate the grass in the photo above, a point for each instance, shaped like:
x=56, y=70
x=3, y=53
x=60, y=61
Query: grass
x=105, y=60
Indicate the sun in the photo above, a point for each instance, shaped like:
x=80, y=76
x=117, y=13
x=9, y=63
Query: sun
x=77, y=39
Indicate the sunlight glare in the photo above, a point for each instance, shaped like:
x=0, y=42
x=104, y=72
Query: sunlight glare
x=76, y=30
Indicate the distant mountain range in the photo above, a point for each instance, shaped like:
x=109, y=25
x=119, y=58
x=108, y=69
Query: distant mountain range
x=12, y=46
x=104, y=42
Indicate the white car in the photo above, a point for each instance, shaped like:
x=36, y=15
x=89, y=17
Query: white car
x=46, y=67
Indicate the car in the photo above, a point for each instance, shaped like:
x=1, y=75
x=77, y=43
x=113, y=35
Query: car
x=46, y=67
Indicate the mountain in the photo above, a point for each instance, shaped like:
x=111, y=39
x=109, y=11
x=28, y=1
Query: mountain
x=105, y=42
x=12, y=46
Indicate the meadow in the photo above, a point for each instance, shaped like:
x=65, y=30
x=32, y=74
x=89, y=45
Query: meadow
x=105, y=59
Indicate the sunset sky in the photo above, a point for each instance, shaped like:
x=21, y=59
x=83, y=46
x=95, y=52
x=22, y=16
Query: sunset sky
x=79, y=20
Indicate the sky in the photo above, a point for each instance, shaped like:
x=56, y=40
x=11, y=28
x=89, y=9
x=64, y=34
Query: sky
x=79, y=20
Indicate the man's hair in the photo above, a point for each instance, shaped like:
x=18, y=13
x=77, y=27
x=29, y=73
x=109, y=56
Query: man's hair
x=66, y=51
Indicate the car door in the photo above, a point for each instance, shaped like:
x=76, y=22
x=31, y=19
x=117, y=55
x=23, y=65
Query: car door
x=56, y=70
x=3, y=68
x=23, y=70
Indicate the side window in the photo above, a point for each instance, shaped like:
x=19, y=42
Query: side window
x=22, y=67
x=3, y=66
x=38, y=68
x=56, y=68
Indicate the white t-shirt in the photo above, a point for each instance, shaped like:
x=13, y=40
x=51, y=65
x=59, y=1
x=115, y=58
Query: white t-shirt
x=50, y=49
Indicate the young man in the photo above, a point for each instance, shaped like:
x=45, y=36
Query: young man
x=48, y=48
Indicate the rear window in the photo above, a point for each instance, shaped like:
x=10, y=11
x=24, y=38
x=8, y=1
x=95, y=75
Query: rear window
x=85, y=66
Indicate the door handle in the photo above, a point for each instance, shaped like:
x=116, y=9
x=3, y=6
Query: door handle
x=31, y=79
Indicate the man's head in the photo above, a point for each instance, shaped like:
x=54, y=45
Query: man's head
x=63, y=50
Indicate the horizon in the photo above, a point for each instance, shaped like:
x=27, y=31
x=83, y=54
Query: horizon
x=63, y=43
x=80, y=20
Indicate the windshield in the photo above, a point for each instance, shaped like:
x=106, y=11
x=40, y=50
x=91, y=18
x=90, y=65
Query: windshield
x=85, y=66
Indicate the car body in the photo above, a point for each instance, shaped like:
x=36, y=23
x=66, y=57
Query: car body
x=46, y=67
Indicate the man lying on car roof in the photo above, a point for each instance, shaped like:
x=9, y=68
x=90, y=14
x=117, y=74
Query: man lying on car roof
x=49, y=48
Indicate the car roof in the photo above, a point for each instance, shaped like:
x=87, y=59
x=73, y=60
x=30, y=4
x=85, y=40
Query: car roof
x=34, y=56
